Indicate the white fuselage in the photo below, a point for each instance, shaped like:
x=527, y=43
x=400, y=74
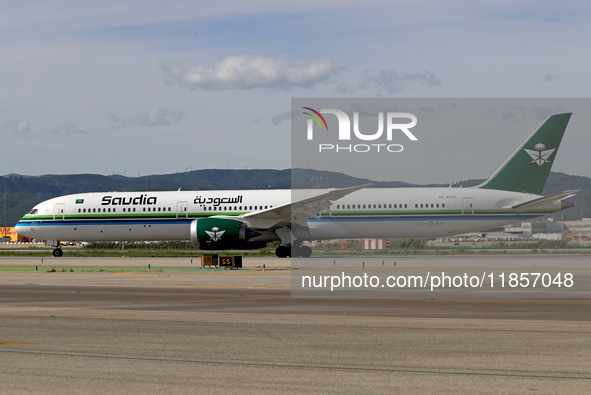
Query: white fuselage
x=367, y=213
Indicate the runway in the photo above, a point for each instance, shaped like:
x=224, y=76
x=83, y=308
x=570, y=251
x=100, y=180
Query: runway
x=242, y=332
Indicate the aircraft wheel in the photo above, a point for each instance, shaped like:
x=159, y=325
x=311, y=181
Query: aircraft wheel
x=58, y=252
x=282, y=251
x=305, y=251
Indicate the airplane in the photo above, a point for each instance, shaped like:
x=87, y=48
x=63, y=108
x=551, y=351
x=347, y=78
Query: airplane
x=242, y=219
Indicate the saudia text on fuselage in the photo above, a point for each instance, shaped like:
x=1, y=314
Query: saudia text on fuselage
x=344, y=133
x=127, y=201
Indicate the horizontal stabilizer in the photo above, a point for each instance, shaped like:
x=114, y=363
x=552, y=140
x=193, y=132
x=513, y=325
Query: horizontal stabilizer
x=537, y=203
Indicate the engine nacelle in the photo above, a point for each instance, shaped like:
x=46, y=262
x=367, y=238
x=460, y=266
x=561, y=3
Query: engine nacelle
x=219, y=233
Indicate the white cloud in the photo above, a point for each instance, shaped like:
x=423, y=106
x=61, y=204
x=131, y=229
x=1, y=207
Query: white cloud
x=152, y=117
x=68, y=128
x=387, y=81
x=250, y=72
x=550, y=77
x=284, y=116
x=394, y=82
x=16, y=127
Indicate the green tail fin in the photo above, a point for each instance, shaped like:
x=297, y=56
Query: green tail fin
x=528, y=168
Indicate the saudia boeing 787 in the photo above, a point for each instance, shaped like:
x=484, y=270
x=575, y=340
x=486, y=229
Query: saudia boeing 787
x=249, y=219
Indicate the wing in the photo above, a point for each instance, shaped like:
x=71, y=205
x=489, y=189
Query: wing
x=294, y=213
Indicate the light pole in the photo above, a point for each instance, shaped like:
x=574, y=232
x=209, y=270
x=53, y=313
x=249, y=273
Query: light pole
x=5, y=216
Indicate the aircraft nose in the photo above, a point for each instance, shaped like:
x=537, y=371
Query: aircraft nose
x=20, y=228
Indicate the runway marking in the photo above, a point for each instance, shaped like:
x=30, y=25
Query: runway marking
x=81, y=291
x=220, y=298
x=7, y=343
x=517, y=300
x=478, y=313
x=316, y=366
x=136, y=269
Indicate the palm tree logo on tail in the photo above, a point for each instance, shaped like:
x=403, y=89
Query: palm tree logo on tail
x=539, y=154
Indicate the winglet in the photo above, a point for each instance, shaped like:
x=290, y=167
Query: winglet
x=528, y=168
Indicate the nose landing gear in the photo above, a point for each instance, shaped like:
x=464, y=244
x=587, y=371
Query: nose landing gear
x=58, y=248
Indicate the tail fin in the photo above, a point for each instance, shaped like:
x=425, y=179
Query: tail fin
x=528, y=168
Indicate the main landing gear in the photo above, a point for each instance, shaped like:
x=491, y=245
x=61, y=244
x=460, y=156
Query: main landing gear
x=294, y=251
x=57, y=252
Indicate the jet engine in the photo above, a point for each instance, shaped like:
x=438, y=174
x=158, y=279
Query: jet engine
x=221, y=233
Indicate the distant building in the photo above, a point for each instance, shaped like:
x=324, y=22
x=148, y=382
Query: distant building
x=375, y=244
x=531, y=228
x=580, y=229
x=11, y=233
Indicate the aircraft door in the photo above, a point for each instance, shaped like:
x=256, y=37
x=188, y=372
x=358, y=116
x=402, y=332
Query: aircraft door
x=58, y=211
x=468, y=206
x=182, y=210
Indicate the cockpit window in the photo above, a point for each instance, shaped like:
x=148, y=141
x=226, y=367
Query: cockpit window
x=34, y=211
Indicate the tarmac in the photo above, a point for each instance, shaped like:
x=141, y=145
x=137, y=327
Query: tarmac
x=147, y=325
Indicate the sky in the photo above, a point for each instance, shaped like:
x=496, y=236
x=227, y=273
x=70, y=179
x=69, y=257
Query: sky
x=156, y=87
